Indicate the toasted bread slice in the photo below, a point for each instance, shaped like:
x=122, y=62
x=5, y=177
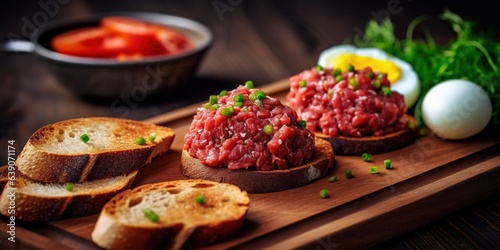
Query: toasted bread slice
x=122, y=223
x=372, y=144
x=35, y=201
x=56, y=154
x=254, y=181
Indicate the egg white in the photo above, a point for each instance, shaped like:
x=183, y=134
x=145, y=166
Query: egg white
x=407, y=85
x=456, y=109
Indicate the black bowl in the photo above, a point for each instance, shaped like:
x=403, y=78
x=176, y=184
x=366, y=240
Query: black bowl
x=110, y=78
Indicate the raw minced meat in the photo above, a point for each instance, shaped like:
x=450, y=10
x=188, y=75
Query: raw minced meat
x=353, y=103
x=258, y=133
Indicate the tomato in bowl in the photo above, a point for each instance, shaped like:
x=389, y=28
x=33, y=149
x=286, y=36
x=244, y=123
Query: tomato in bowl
x=99, y=59
x=122, y=38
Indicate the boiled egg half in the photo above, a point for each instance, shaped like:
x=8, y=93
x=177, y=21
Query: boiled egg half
x=403, y=78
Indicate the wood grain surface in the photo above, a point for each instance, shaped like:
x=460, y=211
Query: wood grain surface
x=264, y=41
x=430, y=178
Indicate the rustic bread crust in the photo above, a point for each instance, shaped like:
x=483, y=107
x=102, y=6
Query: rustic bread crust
x=372, y=144
x=44, y=205
x=182, y=222
x=254, y=181
x=122, y=156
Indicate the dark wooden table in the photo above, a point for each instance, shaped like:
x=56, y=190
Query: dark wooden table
x=263, y=41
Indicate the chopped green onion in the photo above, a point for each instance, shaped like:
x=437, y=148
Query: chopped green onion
x=302, y=123
x=200, y=199
x=381, y=75
x=319, y=68
x=323, y=193
x=386, y=90
x=152, y=136
x=333, y=179
x=369, y=75
x=151, y=215
x=223, y=93
x=348, y=174
x=69, y=186
x=212, y=99
x=249, y=84
x=268, y=129
x=260, y=95
x=238, y=104
x=257, y=95
x=338, y=78
x=366, y=157
x=353, y=83
x=373, y=169
x=387, y=164
x=140, y=140
x=239, y=98
x=376, y=84
x=350, y=68
x=227, y=111
x=85, y=138
x=302, y=83
x=337, y=72
x=211, y=106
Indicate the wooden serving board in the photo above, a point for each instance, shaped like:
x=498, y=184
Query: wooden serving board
x=431, y=178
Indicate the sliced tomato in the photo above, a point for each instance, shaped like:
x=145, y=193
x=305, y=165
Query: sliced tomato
x=150, y=39
x=90, y=42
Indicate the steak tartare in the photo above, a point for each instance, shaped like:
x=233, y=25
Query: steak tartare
x=246, y=129
x=353, y=103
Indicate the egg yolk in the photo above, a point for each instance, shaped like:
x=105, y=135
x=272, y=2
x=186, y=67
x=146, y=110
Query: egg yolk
x=361, y=62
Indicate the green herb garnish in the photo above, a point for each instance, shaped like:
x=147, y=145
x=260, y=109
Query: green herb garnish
x=249, y=84
x=350, y=68
x=302, y=83
x=302, y=123
x=239, y=98
x=227, y=111
x=151, y=215
x=223, y=93
x=319, y=67
x=387, y=164
x=386, y=91
x=200, y=199
x=337, y=72
x=473, y=55
x=85, y=138
x=69, y=186
x=323, y=193
x=373, y=170
x=268, y=129
x=140, y=140
x=366, y=157
x=212, y=99
x=348, y=174
x=152, y=136
x=333, y=179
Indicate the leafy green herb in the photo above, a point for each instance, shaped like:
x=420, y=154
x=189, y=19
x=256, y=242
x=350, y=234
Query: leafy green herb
x=473, y=55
